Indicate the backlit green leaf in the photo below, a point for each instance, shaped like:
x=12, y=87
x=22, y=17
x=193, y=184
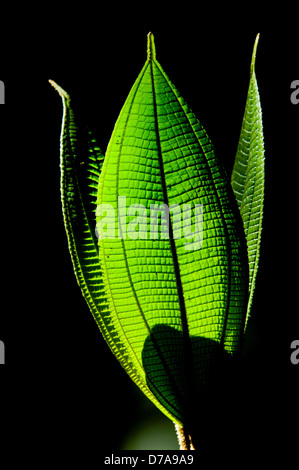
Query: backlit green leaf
x=165, y=273
x=249, y=174
x=175, y=294
x=80, y=162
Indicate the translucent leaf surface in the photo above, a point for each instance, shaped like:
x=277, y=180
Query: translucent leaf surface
x=80, y=162
x=249, y=175
x=175, y=291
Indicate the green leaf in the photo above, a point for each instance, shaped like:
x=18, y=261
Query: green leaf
x=248, y=176
x=172, y=305
x=80, y=162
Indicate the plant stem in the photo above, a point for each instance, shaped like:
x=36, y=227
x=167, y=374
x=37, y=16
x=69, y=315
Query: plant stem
x=183, y=438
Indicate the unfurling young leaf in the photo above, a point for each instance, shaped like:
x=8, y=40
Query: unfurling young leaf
x=167, y=279
x=248, y=177
x=80, y=163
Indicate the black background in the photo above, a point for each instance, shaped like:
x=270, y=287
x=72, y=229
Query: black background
x=62, y=391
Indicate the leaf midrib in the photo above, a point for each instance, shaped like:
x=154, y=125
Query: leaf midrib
x=253, y=262
x=188, y=356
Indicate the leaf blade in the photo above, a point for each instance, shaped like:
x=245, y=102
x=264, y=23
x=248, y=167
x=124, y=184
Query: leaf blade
x=166, y=297
x=248, y=176
x=81, y=166
x=78, y=183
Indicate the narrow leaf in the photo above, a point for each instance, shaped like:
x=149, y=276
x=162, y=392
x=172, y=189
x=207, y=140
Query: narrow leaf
x=175, y=289
x=80, y=162
x=248, y=176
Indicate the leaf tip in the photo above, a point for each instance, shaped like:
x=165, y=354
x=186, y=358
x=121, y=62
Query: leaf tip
x=61, y=91
x=151, y=48
x=252, y=68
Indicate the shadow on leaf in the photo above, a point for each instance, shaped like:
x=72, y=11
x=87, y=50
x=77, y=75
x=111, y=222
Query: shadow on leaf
x=193, y=386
